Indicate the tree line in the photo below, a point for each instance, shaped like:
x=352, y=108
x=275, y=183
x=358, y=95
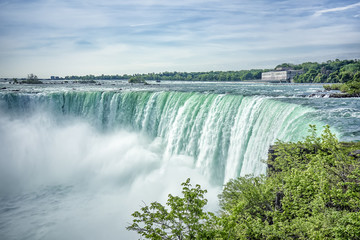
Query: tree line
x=336, y=71
x=242, y=75
x=332, y=71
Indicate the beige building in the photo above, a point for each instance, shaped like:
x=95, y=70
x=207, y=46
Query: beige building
x=281, y=76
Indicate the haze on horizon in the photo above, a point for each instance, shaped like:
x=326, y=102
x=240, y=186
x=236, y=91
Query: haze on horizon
x=78, y=37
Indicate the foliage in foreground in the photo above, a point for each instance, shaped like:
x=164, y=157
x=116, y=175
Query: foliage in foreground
x=185, y=218
x=312, y=191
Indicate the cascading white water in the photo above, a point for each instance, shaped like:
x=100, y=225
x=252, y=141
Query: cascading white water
x=225, y=135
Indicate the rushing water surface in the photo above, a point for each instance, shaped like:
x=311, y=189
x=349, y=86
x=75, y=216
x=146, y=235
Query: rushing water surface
x=78, y=159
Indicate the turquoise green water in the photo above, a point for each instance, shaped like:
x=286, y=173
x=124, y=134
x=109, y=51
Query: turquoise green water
x=99, y=150
x=227, y=135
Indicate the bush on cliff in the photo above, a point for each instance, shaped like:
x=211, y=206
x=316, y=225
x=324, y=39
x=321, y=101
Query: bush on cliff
x=312, y=192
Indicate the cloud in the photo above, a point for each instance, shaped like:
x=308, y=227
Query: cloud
x=157, y=35
x=337, y=9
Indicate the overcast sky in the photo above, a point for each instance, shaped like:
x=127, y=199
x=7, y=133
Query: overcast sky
x=79, y=37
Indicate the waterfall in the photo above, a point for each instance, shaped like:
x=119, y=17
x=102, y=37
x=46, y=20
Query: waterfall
x=225, y=135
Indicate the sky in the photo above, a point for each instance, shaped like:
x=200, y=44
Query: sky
x=79, y=37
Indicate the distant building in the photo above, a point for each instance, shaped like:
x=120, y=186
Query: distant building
x=281, y=75
x=54, y=78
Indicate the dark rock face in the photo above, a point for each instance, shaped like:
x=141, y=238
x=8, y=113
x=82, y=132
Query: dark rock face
x=317, y=95
x=355, y=154
x=343, y=95
x=271, y=158
x=333, y=95
x=279, y=196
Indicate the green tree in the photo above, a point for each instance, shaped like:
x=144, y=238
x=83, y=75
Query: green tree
x=185, y=218
x=245, y=206
x=31, y=76
x=32, y=79
x=319, y=78
x=137, y=79
x=345, y=77
x=333, y=77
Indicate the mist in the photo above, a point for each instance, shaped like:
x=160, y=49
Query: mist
x=69, y=180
